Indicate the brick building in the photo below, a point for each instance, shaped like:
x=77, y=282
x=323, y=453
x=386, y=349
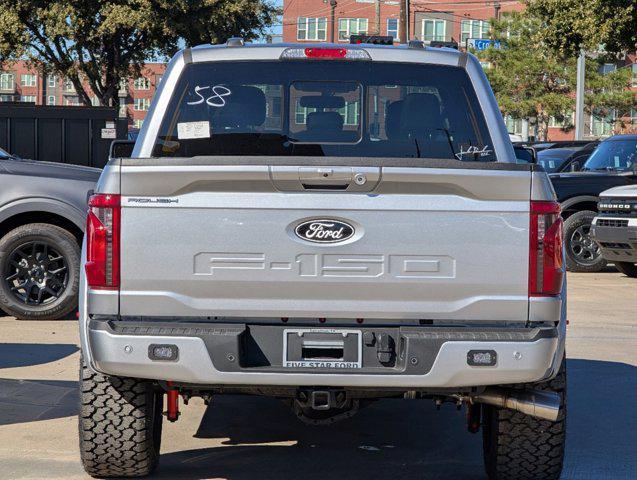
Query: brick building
x=429, y=20
x=311, y=20
x=19, y=83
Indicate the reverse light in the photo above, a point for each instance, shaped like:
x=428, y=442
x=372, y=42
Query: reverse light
x=102, y=241
x=546, y=257
x=324, y=53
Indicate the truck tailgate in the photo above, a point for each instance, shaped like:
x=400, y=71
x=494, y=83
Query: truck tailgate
x=202, y=240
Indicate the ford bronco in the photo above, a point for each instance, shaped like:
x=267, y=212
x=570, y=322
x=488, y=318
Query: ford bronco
x=615, y=227
x=327, y=225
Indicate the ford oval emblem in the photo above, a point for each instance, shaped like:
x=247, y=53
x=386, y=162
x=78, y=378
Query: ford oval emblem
x=324, y=230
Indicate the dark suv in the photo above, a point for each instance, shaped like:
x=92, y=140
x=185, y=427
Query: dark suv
x=612, y=164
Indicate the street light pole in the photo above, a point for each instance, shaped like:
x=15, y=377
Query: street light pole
x=579, y=96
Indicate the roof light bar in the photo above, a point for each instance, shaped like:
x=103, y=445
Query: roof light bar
x=322, y=53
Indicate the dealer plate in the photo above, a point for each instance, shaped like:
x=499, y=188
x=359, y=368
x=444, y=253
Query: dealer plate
x=322, y=348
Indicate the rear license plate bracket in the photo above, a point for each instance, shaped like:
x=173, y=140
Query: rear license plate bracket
x=322, y=348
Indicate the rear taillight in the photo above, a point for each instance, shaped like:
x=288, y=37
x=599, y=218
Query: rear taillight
x=102, y=241
x=546, y=261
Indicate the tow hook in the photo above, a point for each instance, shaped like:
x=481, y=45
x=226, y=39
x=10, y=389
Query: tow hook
x=172, y=400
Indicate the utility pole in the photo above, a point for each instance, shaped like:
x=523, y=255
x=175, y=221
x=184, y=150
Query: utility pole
x=403, y=22
x=333, y=7
x=579, y=96
x=377, y=17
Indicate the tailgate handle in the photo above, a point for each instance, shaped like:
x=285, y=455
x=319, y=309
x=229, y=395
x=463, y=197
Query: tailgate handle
x=325, y=186
x=325, y=178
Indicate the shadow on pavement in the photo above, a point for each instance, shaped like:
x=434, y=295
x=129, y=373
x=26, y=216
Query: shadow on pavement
x=602, y=426
x=23, y=401
x=406, y=439
x=27, y=354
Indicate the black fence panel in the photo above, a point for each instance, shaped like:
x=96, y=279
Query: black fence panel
x=76, y=135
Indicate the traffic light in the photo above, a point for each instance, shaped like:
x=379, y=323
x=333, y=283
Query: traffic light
x=373, y=39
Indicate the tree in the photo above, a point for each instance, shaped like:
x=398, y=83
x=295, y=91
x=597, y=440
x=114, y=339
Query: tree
x=100, y=42
x=569, y=25
x=531, y=80
x=215, y=21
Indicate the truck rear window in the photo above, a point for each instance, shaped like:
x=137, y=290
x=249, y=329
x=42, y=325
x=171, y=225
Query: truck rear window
x=324, y=108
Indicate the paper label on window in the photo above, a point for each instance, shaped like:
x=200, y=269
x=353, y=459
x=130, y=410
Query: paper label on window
x=109, y=133
x=188, y=130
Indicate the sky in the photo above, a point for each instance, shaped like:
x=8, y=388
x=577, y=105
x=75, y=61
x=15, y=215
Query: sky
x=278, y=29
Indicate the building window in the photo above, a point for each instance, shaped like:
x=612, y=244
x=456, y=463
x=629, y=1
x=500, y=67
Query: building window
x=142, y=104
x=138, y=123
x=301, y=113
x=50, y=100
x=68, y=86
x=28, y=80
x=6, y=98
x=350, y=113
x=473, y=29
x=122, y=109
x=72, y=101
x=607, y=68
x=6, y=81
x=434, y=30
x=392, y=28
x=351, y=26
x=566, y=121
x=27, y=98
x=158, y=79
x=602, y=125
x=308, y=28
x=514, y=125
x=142, y=83
x=51, y=81
x=95, y=101
x=634, y=74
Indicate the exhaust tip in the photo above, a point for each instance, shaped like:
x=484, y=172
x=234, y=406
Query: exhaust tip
x=537, y=403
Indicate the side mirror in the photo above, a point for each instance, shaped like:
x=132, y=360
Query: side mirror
x=575, y=166
x=524, y=154
x=121, y=148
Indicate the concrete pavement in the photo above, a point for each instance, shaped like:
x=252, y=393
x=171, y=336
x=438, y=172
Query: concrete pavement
x=249, y=437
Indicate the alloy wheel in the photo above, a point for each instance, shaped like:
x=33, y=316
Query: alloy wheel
x=36, y=273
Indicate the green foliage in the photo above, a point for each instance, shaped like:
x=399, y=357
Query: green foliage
x=103, y=41
x=569, y=25
x=531, y=80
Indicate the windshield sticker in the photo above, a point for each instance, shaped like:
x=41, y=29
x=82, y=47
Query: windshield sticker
x=189, y=130
x=473, y=150
x=214, y=97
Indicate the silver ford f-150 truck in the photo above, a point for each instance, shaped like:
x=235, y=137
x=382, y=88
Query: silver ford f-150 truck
x=327, y=225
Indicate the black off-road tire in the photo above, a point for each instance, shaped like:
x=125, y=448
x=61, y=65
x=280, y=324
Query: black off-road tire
x=628, y=269
x=517, y=446
x=120, y=425
x=578, y=263
x=66, y=244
